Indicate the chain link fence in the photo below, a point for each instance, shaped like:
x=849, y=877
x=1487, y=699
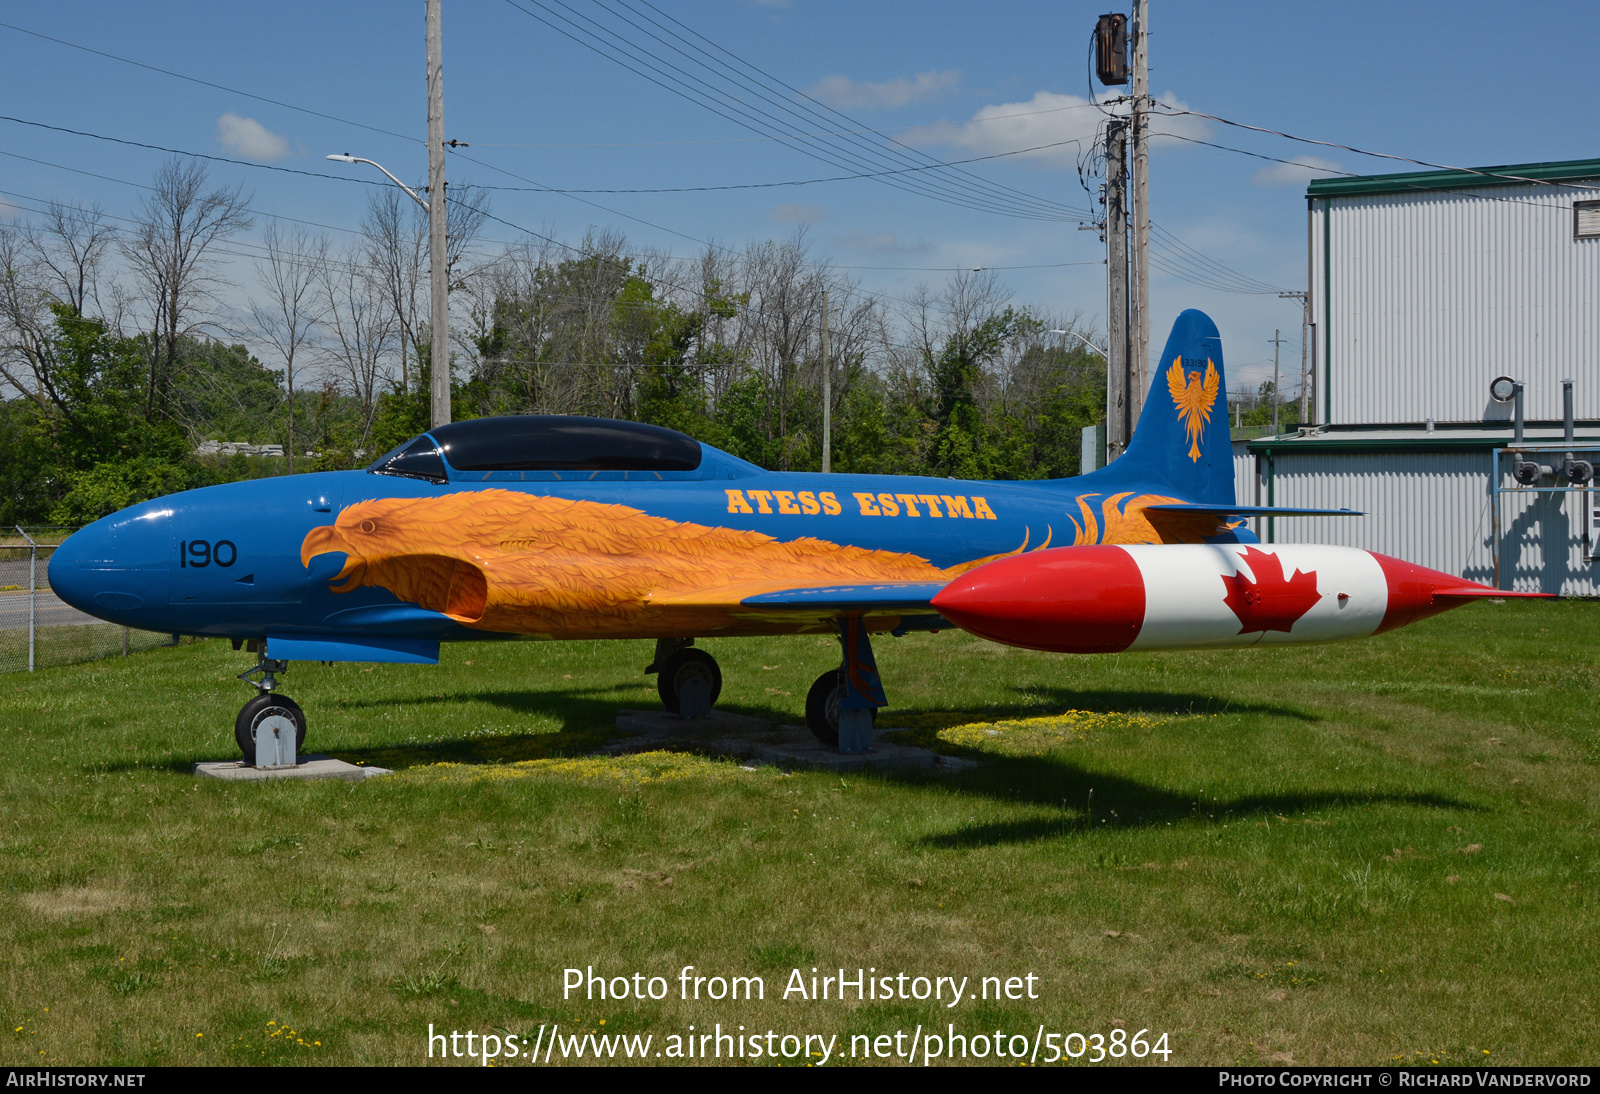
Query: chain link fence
x=38, y=630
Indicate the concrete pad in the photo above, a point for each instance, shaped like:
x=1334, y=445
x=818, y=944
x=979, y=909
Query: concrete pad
x=762, y=741
x=663, y=723
x=311, y=766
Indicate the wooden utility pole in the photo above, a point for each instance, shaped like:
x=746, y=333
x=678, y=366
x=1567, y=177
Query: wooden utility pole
x=1277, y=397
x=438, y=252
x=1118, y=360
x=1140, y=309
x=827, y=393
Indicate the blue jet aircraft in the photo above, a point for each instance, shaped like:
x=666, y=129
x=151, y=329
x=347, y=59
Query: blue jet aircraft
x=568, y=527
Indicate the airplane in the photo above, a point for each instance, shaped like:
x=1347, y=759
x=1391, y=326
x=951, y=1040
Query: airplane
x=563, y=527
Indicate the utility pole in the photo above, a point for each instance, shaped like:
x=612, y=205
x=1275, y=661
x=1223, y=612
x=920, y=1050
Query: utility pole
x=827, y=393
x=1305, y=341
x=1140, y=347
x=439, y=272
x=1277, y=344
x=1118, y=360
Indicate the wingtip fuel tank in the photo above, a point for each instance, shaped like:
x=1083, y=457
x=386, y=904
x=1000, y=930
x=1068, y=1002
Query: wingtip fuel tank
x=1104, y=599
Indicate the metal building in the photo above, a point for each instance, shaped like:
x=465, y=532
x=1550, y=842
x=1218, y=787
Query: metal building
x=1424, y=288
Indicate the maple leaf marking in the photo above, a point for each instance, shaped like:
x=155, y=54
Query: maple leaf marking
x=1270, y=602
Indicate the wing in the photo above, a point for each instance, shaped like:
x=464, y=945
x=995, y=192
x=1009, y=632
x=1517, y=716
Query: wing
x=1213, y=381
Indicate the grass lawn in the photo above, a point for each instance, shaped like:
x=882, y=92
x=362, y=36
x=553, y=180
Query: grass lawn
x=1369, y=853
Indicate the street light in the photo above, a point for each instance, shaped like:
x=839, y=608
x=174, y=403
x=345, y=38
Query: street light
x=1074, y=334
x=439, y=273
x=348, y=158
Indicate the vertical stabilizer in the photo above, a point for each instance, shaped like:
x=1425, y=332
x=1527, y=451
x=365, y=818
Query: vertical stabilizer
x=1181, y=443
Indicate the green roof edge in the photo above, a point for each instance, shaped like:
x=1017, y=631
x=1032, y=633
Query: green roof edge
x=1553, y=171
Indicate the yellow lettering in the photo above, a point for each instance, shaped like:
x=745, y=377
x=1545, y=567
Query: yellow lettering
x=830, y=504
x=910, y=502
x=808, y=503
x=736, y=502
x=868, y=507
x=890, y=508
x=956, y=507
x=762, y=498
x=785, y=500
x=933, y=504
x=982, y=510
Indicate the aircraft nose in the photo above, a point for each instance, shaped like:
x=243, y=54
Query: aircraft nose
x=117, y=568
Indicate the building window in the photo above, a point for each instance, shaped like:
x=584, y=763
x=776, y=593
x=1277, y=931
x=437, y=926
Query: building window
x=1586, y=219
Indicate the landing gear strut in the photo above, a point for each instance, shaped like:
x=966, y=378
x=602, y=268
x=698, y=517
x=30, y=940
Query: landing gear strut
x=842, y=706
x=268, y=714
x=688, y=680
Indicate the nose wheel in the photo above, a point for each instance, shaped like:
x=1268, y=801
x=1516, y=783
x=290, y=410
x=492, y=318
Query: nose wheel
x=269, y=714
x=266, y=714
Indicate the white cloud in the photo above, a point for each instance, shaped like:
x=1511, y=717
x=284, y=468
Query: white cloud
x=1298, y=173
x=250, y=139
x=848, y=94
x=798, y=214
x=860, y=239
x=1066, y=124
x=8, y=211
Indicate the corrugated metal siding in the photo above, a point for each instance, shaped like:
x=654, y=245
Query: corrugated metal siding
x=1434, y=294
x=1434, y=509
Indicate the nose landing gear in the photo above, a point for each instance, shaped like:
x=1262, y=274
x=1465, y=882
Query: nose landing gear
x=268, y=713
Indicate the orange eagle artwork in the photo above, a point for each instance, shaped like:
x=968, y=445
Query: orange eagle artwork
x=1194, y=399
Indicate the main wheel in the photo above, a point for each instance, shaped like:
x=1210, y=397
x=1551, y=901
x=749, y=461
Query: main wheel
x=258, y=715
x=822, y=707
x=689, y=683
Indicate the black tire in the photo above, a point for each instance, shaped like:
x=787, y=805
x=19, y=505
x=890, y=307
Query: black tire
x=679, y=668
x=257, y=710
x=822, y=707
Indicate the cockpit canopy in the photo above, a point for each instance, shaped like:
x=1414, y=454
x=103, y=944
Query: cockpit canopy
x=540, y=442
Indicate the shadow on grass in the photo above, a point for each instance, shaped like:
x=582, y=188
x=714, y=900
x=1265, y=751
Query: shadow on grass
x=588, y=718
x=1083, y=799
x=1088, y=800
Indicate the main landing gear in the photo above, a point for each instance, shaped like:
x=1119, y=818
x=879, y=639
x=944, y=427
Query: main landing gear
x=268, y=715
x=842, y=706
x=688, y=680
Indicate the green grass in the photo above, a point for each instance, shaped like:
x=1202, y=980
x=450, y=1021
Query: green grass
x=1266, y=854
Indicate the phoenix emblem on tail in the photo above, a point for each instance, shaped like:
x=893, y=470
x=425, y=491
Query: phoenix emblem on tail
x=1194, y=399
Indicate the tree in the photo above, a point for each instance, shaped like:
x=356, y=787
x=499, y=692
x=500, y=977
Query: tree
x=289, y=276
x=361, y=331
x=171, y=251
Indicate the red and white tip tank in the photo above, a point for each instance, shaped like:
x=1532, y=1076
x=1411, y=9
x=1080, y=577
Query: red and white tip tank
x=1105, y=599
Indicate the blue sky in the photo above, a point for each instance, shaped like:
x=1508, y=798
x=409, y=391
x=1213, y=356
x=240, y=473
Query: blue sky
x=1464, y=83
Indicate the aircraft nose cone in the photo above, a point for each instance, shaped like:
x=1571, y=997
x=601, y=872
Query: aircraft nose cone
x=72, y=567
x=117, y=568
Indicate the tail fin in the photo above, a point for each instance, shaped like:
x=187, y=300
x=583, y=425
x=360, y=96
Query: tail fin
x=1182, y=445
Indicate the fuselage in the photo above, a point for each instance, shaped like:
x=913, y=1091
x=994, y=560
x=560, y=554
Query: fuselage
x=239, y=560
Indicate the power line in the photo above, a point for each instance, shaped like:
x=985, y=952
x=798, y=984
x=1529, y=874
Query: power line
x=208, y=83
x=797, y=136
x=704, y=92
x=979, y=180
x=1366, y=152
x=791, y=182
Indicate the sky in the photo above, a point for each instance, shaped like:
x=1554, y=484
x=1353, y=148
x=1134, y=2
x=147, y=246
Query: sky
x=1462, y=84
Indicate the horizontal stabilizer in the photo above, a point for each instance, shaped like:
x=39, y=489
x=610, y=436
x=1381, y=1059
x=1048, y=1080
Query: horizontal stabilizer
x=1254, y=510
x=892, y=596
